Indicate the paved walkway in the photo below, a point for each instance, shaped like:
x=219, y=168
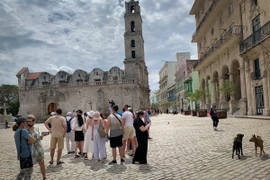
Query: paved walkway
x=183, y=147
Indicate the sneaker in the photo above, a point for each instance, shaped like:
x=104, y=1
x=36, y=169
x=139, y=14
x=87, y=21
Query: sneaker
x=112, y=162
x=122, y=161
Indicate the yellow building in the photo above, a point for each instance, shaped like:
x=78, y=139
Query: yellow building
x=233, y=45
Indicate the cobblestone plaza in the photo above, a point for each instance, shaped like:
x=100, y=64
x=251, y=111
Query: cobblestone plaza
x=183, y=147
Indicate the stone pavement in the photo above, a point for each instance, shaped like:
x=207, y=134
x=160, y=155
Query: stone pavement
x=183, y=147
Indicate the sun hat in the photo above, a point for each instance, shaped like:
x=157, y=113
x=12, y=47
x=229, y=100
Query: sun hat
x=96, y=116
x=53, y=113
x=90, y=113
x=69, y=113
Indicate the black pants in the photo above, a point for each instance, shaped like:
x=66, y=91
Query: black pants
x=215, y=121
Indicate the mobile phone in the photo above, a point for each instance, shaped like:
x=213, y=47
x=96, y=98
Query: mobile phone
x=45, y=133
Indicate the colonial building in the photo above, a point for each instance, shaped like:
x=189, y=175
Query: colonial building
x=166, y=80
x=41, y=92
x=255, y=51
x=183, y=78
x=220, y=27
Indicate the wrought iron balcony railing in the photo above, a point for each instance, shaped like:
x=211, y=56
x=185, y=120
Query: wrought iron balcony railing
x=234, y=30
x=255, y=38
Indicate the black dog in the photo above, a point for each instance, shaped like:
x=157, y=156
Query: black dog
x=237, y=145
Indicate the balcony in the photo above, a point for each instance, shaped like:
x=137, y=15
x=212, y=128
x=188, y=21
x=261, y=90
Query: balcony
x=202, y=22
x=234, y=31
x=179, y=89
x=255, y=38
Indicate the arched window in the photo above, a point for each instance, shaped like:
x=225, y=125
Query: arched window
x=132, y=26
x=132, y=43
x=133, y=55
x=132, y=9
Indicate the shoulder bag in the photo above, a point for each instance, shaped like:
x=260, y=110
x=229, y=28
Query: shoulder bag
x=116, y=132
x=25, y=162
x=101, y=130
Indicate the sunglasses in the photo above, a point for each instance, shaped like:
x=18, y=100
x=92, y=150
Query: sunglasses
x=31, y=120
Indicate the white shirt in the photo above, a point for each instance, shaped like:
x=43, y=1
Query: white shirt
x=71, y=122
x=128, y=118
x=75, y=126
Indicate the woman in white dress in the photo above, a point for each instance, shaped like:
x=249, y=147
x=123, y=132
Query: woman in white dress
x=88, y=143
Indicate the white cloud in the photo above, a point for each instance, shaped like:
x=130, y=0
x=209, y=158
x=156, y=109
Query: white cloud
x=51, y=35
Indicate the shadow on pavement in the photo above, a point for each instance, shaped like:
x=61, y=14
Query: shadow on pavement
x=244, y=157
x=145, y=168
x=265, y=157
x=53, y=168
x=117, y=168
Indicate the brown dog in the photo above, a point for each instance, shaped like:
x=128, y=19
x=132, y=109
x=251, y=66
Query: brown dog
x=258, y=143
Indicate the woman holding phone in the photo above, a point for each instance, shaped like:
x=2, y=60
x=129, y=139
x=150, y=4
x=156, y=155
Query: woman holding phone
x=38, y=153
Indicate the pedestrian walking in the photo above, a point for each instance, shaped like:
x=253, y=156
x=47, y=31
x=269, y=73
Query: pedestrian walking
x=214, y=117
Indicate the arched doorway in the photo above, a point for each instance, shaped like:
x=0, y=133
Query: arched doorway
x=226, y=77
x=51, y=108
x=208, y=90
x=236, y=79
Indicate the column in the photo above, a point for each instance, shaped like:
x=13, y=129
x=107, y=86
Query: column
x=250, y=98
x=243, y=100
x=233, y=102
x=213, y=92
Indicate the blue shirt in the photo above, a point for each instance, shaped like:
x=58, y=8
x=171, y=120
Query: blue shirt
x=119, y=113
x=26, y=148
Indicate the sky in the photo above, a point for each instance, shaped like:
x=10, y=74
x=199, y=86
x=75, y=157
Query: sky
x=50, y=35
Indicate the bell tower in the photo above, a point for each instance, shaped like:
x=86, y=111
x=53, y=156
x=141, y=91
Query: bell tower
x=135, y=67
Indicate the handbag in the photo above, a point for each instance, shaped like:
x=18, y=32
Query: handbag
x=116, y=132
x=28, y=161
x=101, y=130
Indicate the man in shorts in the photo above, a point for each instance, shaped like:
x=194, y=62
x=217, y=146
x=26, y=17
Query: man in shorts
x=58, y=130
x=129, y=131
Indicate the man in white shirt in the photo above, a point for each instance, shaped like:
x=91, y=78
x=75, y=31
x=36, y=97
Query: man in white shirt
x=70, y=143
x=129, y=131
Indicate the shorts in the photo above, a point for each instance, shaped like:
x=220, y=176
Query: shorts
x=57, y=140
x=116, y=141
x=129, y=133
x=79, y=136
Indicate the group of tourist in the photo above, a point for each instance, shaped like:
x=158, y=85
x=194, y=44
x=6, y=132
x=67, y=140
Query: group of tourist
x=84, y=134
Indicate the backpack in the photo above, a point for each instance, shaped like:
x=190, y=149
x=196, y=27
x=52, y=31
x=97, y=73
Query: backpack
x=68, y=125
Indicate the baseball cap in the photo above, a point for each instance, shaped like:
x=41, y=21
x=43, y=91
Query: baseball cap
x=22, y=119
x=79, y=111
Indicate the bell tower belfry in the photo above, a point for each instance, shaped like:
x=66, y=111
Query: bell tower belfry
x=135, y=67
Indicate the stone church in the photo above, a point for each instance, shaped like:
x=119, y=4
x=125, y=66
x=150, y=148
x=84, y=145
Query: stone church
x=41, y=92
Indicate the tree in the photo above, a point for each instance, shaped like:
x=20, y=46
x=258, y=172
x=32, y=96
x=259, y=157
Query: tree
x=195, y=96
x=228, y=88
x=9, y=95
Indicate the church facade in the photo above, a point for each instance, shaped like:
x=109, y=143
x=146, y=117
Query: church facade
x=41, y=92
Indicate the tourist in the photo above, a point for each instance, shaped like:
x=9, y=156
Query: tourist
x=214, y=117
x=98, y=142
x=23, y=142
x=129, y=145
x=147, y=120
x=70, y=143
x=58, y=130
x=38, y=153
x=88, y=143
x=114, y=124
x=78, y=127
x=129, y=132
x=142, y=137
x=6, y=124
